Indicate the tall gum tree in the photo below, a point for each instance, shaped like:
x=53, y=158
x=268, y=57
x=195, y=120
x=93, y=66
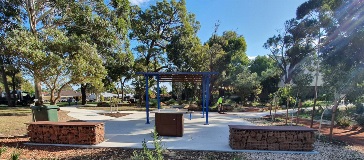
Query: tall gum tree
x=50, y=55
x=226, y=54
x=342, y=52
x=155, y=27
x=10, y=15
x=61, y=60
x=317, y=14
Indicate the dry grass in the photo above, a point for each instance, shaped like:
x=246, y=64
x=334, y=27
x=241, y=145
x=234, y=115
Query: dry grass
x=15, y=125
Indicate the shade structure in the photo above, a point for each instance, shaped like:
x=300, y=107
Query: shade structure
x=202, y=77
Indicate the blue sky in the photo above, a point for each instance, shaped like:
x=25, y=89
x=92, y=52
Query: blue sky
x=256, y=20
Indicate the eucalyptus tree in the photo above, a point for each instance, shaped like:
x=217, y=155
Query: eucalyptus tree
x=49, y=53
x=10, y=15
x=105, y=25
x=292, y=50
x=36, y=16
x=317, y=14
x=61, y=60
x=268, y=74
x=226, y=55
x=157, y=27
x=163, y=32
x=343, y=52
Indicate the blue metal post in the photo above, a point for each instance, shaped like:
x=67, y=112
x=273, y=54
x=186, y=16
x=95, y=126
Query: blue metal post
x=207, y=98
x=158, y=93
x=146, y=98
x=203, y=96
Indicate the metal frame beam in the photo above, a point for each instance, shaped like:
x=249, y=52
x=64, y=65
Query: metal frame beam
x=203, y=77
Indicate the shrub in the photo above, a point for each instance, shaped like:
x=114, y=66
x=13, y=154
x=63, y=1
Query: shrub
x=153, y=102
x=171, y=102
x=307, y=104
x=103, y=104
x=359, y=108
x=3, y=150
x=344, y=121
x=150, y=154
x=360, y=120
x=15, y=155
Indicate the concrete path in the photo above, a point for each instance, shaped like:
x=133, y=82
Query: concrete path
x=129, y=131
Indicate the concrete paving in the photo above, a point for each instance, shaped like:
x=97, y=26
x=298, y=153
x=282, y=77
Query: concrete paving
x=129, y=131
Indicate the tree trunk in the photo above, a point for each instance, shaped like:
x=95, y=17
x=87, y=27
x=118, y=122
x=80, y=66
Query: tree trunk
x=316, y=81
x=122, y=92
x=287, y=110
x=52, y=100
x=334, y=108
x=5, y=82
x=38, y=89
x=83, y=94
x=15, y=96
x=270, y=107
x=313, y=111
x=298, y=111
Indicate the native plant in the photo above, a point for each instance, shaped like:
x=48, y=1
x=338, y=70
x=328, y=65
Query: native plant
x=3, y=150
x=150, y=154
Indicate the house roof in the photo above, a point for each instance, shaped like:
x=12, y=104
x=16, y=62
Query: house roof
x=179, y=76
x=67, y=93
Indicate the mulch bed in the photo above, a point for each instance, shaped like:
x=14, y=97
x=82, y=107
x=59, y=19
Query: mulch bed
x=351, y=135
x=116, y=115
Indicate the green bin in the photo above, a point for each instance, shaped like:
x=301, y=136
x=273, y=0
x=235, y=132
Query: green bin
x=45, y=113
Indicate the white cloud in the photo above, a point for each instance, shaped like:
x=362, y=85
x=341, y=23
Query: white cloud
x=138, y=2
x=252, y=57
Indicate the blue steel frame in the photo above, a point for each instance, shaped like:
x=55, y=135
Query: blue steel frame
x=206, y=76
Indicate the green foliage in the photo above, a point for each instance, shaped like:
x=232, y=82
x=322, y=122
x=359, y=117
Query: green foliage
x=360, y=120
x=283, y=94
x=150, y=154
x=115, y=101
x=3, y=149
x=171, y=102
x=359, y=108
x=344, y=121
x=156, y=28
x=102, y=98
x=308, y=103
x=15, y=155
x=247, y=83
x=153, y=102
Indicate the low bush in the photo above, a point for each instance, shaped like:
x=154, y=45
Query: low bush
x=360, y=120
x=171, y=102
x=344, y=121
x=153, y=102
x=359, y=108
x=306, y=104
x=103, y=104
x=150, y=154
x=3, y=150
